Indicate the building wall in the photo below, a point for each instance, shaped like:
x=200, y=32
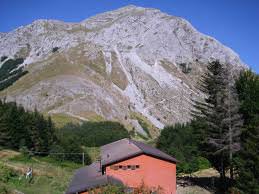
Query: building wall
x=152, y=172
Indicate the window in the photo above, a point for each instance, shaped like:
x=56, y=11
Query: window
x=133, y=167
x=126, y=167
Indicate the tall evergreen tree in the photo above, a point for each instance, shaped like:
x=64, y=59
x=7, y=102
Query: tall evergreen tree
x=248, y=161
x=21, y=128
x=212, y=84
x=5, y=135
x=248, y=94
x=248, y=158
x=233, y=121
x=220, y=112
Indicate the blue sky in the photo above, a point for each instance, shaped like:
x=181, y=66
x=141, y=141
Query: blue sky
x=235, y=23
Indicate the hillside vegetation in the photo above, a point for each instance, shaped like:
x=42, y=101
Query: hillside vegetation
x=223, y=133
x=49, y=176
x=10, y=71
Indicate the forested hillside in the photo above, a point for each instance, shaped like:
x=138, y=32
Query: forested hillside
x=224, y=131
x=10, y=71
x=31, y=132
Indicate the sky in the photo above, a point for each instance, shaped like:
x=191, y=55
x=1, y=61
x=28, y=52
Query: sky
x=234, y=23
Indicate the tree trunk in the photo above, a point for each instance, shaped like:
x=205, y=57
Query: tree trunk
x=230, y=133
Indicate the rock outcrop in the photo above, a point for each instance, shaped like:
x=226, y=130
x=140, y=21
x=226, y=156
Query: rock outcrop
x=135, y=65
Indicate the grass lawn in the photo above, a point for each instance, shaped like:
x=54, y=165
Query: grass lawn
x=49, y=175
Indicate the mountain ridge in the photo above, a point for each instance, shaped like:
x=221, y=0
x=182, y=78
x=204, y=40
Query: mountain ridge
x=135, y=65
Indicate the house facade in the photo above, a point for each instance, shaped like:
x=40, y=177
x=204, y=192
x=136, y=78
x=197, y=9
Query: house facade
x=130, y=163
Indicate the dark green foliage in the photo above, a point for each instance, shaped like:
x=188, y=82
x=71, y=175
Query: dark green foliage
x=181, y=142
x=109, y=189
x=212, y=112
x=69, y=149
x=31, y=133
x=72, y=137
x=248, y=159
x=248, y=92
x=20, y=128
x=3, y=58
x=220, y=137
x=8, y=66
x=55, y=49
x=12, y=79
x=7, y=174
x=55, y=149
x=9, y=72
x=93, y=134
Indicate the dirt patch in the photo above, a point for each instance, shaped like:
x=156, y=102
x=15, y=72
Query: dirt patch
x=192, y=190
x=7, y=154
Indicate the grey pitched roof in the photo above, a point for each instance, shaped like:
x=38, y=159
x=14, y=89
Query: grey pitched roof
x=89, y=177
x=127, y=148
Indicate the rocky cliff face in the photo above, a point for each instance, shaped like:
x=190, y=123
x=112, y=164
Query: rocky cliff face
x=135, y=65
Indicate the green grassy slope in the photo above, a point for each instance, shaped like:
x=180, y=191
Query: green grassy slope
x=49, y=176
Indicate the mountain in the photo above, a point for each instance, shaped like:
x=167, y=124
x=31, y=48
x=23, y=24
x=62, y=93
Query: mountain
x=136, y=65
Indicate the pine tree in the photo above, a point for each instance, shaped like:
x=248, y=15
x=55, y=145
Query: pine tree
x=50, y=132
x=20, y=128
x=220, y=113
x=233, y=121
x=248, y=94
x=248, y=158
x=4, y=130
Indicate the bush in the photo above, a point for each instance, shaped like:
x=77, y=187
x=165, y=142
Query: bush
x=4, y=189
x=25, y=152
x=70, y=149
x=55, y=49
x=57, y=149
x=120, y=189
x=202, y=163
x=109, y=189
x=3, y=58
x=7, y=174
x=181, y=142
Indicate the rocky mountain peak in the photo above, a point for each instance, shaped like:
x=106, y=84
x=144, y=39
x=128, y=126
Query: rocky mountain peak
x=135, y=65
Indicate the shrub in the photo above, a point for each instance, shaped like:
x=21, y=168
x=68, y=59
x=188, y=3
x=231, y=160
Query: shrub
x=109, y=189
x=4, y=189
x=25, y=152
x=55, y=49
x=181, y=142
x=120, y=189
x=3, y=58
x=57, y=149
x=7, y=174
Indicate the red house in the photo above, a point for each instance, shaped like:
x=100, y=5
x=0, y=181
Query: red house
x=130, y=163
